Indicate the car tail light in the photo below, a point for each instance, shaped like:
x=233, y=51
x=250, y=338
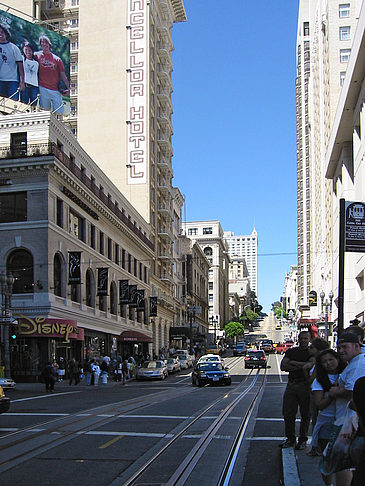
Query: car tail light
x=246, y=358
x=263, y=358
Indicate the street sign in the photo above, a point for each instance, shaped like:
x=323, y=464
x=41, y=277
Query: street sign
x=355, y=227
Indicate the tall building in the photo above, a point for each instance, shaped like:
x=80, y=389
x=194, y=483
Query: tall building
x=209, y=236
x=324, y=39
x=121, y=110
x=244, y=246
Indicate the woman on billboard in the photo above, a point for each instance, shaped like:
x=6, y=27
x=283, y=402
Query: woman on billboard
x=31, y=66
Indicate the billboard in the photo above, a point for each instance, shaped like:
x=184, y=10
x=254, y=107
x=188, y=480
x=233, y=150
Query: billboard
x=34, y=64
x=355, y=227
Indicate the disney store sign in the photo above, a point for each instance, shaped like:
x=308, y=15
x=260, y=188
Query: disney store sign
x=41, y=326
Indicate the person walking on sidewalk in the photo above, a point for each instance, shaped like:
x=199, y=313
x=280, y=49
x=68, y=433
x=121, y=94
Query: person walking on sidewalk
x=124, y=371
x=49, y=377
x=297, y=393
x=74, y=372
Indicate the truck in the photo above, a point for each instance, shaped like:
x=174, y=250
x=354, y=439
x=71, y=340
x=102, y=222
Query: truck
x=282, y=348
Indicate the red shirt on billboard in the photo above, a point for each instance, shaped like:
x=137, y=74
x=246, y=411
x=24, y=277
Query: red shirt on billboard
x=50, y=67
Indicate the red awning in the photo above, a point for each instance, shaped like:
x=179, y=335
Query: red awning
x=135, y=336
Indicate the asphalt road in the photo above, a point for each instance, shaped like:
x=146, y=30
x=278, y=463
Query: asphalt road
x=103, y=435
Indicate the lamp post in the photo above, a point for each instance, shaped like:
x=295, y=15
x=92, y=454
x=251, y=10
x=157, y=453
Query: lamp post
x=327, y=306
x=214, y=321
x=6, y=290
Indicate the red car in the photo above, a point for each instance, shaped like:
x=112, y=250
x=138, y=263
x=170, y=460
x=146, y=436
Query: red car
x=282, y=348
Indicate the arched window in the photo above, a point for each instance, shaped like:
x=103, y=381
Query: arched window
x=20, y=265
x=208, y=251
x=113, y=299
x=90, y=288
x=57, y=275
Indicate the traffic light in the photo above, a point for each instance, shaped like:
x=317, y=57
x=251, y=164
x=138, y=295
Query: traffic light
x=13, y=332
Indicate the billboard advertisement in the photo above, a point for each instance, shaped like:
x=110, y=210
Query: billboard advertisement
x=34, y=64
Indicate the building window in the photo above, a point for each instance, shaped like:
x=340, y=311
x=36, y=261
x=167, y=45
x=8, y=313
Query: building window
x=344, y=10
x=93, y=236
x=192, y=231
x=129, y=263
x=57, y=275
x=116, y=254
x=342, y=77
x=345, y=33
x=110, y=249
x=208, y=231
x=13, y=207
x=135, y=267
x=18, y=144
x=77, y=226
x=210, y=285
x=59, y=213
x=345, y=55
x=306, y=28
x=123, y=258
x=113, y=299
x=101, y=244
x=208, y=251
x=90, y=288
x=76, y=293
x=20, y=265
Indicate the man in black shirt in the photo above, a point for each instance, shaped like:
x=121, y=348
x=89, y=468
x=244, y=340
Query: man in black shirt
x=297, y=392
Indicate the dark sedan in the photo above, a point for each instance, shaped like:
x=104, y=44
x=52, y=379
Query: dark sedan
x=212, y=373
x=255, y=359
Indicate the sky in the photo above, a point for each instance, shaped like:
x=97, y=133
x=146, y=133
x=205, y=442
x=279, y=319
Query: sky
x=234, y=125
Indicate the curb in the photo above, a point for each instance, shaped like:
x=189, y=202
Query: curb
x=290, y=467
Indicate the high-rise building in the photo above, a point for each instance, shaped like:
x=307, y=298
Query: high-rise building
x=244, y=246
x=121, y=109
x=324, y=40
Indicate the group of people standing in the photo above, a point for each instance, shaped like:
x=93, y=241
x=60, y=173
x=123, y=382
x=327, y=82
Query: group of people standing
x=32, y=73
x=326, y=385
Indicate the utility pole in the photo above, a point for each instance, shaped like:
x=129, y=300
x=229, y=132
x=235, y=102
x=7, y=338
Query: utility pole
x=6, y=289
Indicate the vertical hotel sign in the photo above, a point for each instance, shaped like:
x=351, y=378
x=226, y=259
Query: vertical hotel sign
x=137, y=92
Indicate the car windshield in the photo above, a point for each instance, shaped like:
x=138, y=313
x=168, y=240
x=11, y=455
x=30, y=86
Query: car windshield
x=152, y=364
x=208, y=366
x=257, y=354
x=210, y=358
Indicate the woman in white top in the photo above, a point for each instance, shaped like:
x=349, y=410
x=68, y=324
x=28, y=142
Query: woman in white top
x=31, y=66
x=328, y=367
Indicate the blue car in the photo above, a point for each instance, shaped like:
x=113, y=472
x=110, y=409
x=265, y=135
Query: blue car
x=210, y=372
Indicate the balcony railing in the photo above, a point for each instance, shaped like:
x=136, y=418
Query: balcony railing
x=36, y=150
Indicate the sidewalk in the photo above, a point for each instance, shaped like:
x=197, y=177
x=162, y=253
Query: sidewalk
x=299, y=469
x=64, y=385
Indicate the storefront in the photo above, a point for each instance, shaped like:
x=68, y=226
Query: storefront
x=39, y=340
x=134, y=343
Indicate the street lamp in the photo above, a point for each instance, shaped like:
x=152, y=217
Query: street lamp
x=214, y=321
x=6, y=290
x=327, y=306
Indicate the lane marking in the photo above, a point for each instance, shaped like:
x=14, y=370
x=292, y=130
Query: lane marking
x=129, y=434
x=110, y=442
x=44, y=396
x=31, y=414
x=155, y=416
x=274, y=419
x=279, y=370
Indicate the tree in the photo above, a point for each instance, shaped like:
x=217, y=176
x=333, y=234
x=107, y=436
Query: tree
x=251, y=315
x=234, y=328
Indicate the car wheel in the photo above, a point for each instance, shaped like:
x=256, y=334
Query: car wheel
x=199, y=383
x=228, y=383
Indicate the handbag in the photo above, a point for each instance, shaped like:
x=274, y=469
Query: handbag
x=336, y=456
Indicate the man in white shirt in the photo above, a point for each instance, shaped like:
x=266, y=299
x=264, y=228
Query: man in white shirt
x=349, y=348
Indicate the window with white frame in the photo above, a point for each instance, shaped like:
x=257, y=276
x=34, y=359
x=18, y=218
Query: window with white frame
x=345, y=55
x=192, y=231
x=344, y=10
x=342, y=77
x=345, y=33
x=207, y=231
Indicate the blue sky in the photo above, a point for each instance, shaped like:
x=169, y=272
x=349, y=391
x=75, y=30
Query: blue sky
x=234, y=125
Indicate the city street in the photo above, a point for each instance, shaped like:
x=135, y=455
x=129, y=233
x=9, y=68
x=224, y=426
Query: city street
x=147, y=433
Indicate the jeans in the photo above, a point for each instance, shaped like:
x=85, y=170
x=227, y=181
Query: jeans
x=29, y=94
x=51, y=100
x=297, y=395
x=9, y=88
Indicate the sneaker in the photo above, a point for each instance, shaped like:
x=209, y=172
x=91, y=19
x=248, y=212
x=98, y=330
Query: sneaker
x=301, y=446
x=287, y=443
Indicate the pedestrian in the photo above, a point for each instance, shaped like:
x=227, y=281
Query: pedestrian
x=328, y=368
x=359, y=331
x=297, y=393
x=61, y=369
x=350, y=350
x=104, y=369
x=95, y=371
x=49, y=377
x=74, y=372
x=124, y=371
x=87, y=371
x=357, y=448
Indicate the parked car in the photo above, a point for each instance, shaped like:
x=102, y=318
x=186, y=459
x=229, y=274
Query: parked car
x=4, y=401
x=255, y=359
x=7, y=383
x=267, y=345
x=173, y=365
x=210, y=372
x=152, y=370
x=186, y=360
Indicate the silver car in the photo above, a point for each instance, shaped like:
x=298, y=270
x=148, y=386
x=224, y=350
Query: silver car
x=152, y=370
x=7, y=383
x=173, y=365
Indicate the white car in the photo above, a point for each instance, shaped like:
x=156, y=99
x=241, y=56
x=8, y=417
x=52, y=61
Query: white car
x=210, y=358
x=7, y=383
x=173, y=365
x=186, y=361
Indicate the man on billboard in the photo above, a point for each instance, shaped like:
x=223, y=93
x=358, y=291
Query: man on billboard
x=11, y=66
x=52, y=80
